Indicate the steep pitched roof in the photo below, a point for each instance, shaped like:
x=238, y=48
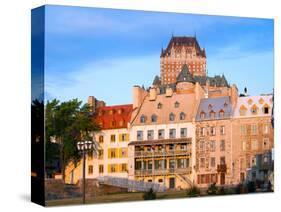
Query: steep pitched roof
x=184, y=41
x=156, y=81
x=113, y=117
x=214, y=105
x=218, y=81
x=185, y=75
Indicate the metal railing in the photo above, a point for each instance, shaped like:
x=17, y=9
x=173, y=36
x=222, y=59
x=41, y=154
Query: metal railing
x=162, y=153
x=131, y=185
x=152, y=172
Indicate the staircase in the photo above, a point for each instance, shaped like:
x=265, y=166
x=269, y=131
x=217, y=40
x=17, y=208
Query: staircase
x=131, y=185
x=185, y=179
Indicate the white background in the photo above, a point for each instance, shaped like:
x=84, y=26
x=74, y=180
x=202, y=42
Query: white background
x=15, y=103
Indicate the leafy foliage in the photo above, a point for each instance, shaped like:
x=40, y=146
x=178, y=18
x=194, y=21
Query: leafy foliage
x=251, y=186
x=66, y=123
x=213, y=189
x=193, y=191
x=150, y=195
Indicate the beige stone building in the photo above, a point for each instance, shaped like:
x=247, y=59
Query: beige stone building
x=112, y=158
x=163, y=133
x=213, y=140
x=252, y=133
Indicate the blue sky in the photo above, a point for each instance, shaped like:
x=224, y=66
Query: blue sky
x=104, y=52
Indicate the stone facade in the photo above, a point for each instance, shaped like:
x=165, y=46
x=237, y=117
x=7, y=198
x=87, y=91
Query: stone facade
x=187, y=128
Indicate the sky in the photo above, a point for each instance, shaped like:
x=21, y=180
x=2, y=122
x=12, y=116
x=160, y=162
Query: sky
x=105, y=52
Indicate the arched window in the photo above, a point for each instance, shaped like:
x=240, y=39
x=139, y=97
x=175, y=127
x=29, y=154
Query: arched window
x=265, y=109
x=153, y=118
x=250, y=101
x=242, y=110
x=212, y=114
x=142, y=119
x=121, y=123
x=177, y=104
x=172, y=117
x=202, y=115
x=254, y=110
x=159, y=106
x=221, y=113
x=182, y=116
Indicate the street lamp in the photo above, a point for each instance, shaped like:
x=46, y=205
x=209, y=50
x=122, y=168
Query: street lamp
x=83, y=148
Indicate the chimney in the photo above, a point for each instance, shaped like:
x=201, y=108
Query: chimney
x=152, y=94
x=233, y=95
x=169, y=92
x=92, y=103
x=138, y=95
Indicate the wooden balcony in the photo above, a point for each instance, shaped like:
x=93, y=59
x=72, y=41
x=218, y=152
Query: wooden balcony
x=157, y=172
x=147, y=154
x=221, y=168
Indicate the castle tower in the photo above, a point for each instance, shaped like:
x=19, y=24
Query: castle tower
x=180, y=51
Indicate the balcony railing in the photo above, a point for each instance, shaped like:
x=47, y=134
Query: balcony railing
x=162, y=153
x=152, y=172
x=221, y=168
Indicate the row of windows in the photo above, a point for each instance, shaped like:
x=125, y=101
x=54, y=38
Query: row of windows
x=154, y=118
x=253, y=129
x=254, y=110
x=113, y=137
x=254, y=144
x=203, y=145
x=212, y=131
x=162, y=164
x=112, y=168
x=111, y=112
x=113, y=123
x=207, y=178
x=212, y=162
x=212, y=114
x=117, y=152
x=161, y=134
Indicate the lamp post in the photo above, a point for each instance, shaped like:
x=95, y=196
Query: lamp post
x=83, y=148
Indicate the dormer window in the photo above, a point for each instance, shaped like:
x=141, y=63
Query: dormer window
x=153, y=118
x=261, y=101
x=100, y=113
x=182, y=116
x=254, y=110
x=172, y=117
x=250, y=101
x=113, y=123
x=111, y=112
x=202, y=115
x=225, y=104
x=221, y=113
x=159, y=106
x=266, y=109
x=142, y=119
x=120, y=111
x=212, y=114
x=242, y=110
x=210, y=106
x=121, y=123
x=177, y=104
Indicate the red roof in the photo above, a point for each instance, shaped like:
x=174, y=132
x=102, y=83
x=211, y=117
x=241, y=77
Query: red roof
x=113, y=117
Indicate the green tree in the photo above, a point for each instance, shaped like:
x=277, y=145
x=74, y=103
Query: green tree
x=149, y=195
x=193, y=191
x=66, y=123
x=213, y=189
